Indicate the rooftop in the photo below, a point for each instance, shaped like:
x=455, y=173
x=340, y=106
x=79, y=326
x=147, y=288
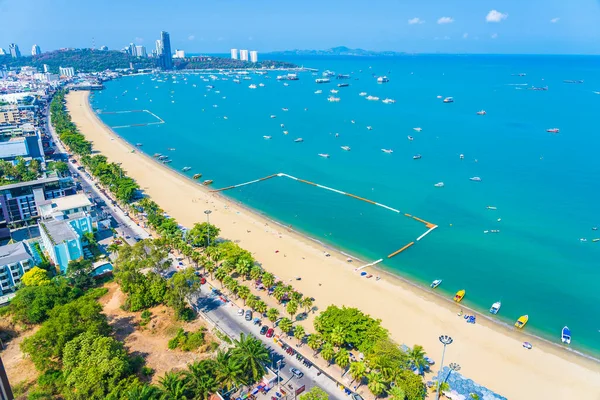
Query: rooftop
x=29, y=183
x=58, y=231
x=13, y=253
x=78, y=200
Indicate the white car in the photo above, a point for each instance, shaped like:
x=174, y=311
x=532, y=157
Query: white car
x=240, y=312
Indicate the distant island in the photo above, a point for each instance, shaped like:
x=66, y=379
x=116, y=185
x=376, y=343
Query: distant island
x=90, y=60
x=337, y=51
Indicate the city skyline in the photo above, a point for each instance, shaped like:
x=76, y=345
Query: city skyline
x=548, y=27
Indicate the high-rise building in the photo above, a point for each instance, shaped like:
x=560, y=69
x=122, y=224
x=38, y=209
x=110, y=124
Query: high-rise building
x=14, y=50
x=68, y=71
x=35, y=50
x=244, y=55
x=165, y=55
x=253, y=56
x=2, y=51
x=46, y=68
x=103, y=48
x=179, y=54
x=140, y=51
x=131, y=49
x=234, y=54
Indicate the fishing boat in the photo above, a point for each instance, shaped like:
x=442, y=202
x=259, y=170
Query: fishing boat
x=482, y=112
x=324, y=155
x=167, y=161
x=522, y=321
x=553, y=130
x=475, y=179
x=388, y=151
x=565, y=335
x=186, y=169
x=417, y=157
x=495, y=307
x=448, y=100
x=299, y=140
x=435, y=283
x=346, y=148
x=197, y=176
x=410, y=138
x=139, y=144
x=266, y=137
x=207, y=182
x=439, y=184
x=459, y=295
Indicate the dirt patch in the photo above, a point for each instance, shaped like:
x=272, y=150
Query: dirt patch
x=151, y=341
x=18, y=367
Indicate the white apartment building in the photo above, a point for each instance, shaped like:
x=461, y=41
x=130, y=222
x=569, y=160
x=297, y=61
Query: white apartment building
x=253, y=56
x=234, y=54
x=244, y=55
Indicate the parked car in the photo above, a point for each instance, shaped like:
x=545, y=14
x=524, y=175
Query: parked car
x=297, y=373
x=264, y=329
x=429, y=360
x=248, y=315
x=270, y=333
x=240, y=312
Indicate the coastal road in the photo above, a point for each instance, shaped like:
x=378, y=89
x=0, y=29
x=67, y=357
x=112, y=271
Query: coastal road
x=225, y=316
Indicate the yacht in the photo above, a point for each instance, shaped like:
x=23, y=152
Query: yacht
x=388, y=151
x=435, y=283
x=343, y=85
x=410, y=138
x=267, y=137
x=253, y=86
x=273, y=116
x=382, y=79
x=482, y=112
x=373, y=98
x=284, y=109
x=439, y=184
x=186, y=169
x=462, y=156
x=324, y=155
x=565, y=335
x=139, y=144
x=417, y=129
x=362, y=94
x=333, y=99
x=318, y=91
x=333, y=91
x=448, y=100
x=475, y=179
x=299, y=140
x=553, y=130
x=417, y=157
x=495, y=307
x=388, y=101
x=370, y=127
x=347, y=148
x=322, y=80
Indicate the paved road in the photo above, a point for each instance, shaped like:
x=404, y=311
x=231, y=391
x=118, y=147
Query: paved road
x=225, y=316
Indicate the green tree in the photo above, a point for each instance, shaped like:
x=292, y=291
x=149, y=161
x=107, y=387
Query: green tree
x=202, y=234
x=375, y=383
x=314, y=341
x=272, y=314
x=416, y=355
x=307, y=304
x=337, y=336
x=180, y=289
x=229, y=372
x=173, y=386
x=279, y=292
x=32, y=304
x=35, y=277
x=342, y=358
x=243, y=267
x=292, y=308
x=78, y=272
x=358, y=371
x=244, y=293
x=327, y=352
x=285, y=325
x=256, y=272
x=201, y=378
x=220, y=275
x=268, y=279
x=444, y=387
x=93, y=364
x=252, y=355
x=315, y=393
x=299, y=333
x=396, y=393
x=412, y=384
x=140, y=391
x=260, y=306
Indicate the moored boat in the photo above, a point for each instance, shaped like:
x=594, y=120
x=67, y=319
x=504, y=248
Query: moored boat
x=565, y=335
x=139, y=144
x=475, y=179
x=186, y=169
x=495, y=307
x=347, y=148
x=435, y=283
x=439, y=184
x=522, y=321
x=459, y=295
x=448, y=100
x=197, y=176
x=207, y=182
x=417, y=157
x=382, y=79
x=388, y=151
x=324, y=155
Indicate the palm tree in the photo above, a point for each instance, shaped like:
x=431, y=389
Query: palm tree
x=342, y=358
x=307, y=303
x=292, y=308
x=260, y=307
x=327, y=352
x=221, y=274
x=229, y=372
x=173, y=386
x=337, y=336
x=417, y=356
x=215, y=253
x=376, y=384
x=396, y=393
x=113, y=248
x=296, y=297
x=141, y=391
x=227, y=267
x=251, y=301
x=268, y=279
x=243, y=292
x=256, y=272
x=314, y=341
x=252, y=356
x=243, y=267
x=201, y=378
x=444, y=387
x=279, y=292
x=285, y=325
x=299, y=333
x=272, y=314
x=358, y=370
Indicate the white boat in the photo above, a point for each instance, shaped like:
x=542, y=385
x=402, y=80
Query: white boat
x=362, y=94
x=286, y=84
x=347, y=148
x=267, y=137
x=261, y=84
x=565, y=335
x=333, y=99
x=370, y=127
x=439, y=184
x=388, y=101
x=186, y=169
x=273, y=116
x=448, y=100
x=299, y=140
x=417, y=129
x=283, y=126
x=284, y=109
x=372, y=98
x=462, y=156
x=382, y=79
x=285, y=132
x=439, y=97
x=318, y=91
x=491, y=208
x=388, y=151
x=435, y=283
x=334, y=91
x=482, y=112
x=410, y=137
x=475, y=179
x=324, y=155
x=495, y=307
x=417, y=157
x=322, y=80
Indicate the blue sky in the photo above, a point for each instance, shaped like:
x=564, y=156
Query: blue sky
x=214, y=26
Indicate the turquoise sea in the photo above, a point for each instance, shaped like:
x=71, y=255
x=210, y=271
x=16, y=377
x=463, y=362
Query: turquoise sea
x=546, y=187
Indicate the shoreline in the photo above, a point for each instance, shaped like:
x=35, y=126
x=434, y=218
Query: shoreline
x=415, y=303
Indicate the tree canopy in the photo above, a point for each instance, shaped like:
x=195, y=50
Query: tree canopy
x=35, y=277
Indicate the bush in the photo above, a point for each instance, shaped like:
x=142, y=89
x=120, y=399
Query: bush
x=147, y=371
x=174, y=343
x=187, y=341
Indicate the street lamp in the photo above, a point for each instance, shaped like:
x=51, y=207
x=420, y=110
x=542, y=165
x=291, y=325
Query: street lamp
x=207, y=212
x=445, y=340
x=453, y=367
x=278, y=367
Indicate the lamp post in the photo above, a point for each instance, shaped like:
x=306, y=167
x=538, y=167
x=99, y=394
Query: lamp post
x=453, y=367
x=278, y=366
x=207, y=212
x=445, y=340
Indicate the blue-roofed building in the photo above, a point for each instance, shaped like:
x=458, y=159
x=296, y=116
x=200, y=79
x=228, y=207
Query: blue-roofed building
x=61, y=242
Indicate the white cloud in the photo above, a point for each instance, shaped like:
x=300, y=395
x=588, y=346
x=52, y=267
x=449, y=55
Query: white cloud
x=495, y=16
x=415, y=20
x=465, y=35
x=445, y=20
x=191, y=37
x=554, y=20
x=494, y=36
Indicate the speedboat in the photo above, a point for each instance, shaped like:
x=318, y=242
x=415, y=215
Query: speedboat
x=553, y=130
x=388, y=101
x=522, y=321
x=527, y=345
x=459, y=295
x=186, y=169
x=207, y=182
x=448, y=100
x=324, y=155
x=284, y=109
x=370, y=127
x=273, y=116
x=417, y=129
x=439, y=184
x=343, y=85
x=410, y=137
x=382, y=79
x=475, y=179
x=495, y=307
x=333, y=99
x=417, y=157
x=285, y=132
x=299, y=140
x=139, y=144
x=362, y=94
x=565, y=335
x=318, y=92
x=253, y=86
x=372, y=98
x=267, y=137
x=347, y=148
x=435, y=283
x=462, y=156
x=197, y=176
x=388, y=151
x=261, y=84
x=482, y=112
x=333, y=91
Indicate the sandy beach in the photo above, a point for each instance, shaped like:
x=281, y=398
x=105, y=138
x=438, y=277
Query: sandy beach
x=488, y=353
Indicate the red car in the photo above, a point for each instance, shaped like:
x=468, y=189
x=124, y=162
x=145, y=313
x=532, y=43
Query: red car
x=202, y=281
x=270, y=333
